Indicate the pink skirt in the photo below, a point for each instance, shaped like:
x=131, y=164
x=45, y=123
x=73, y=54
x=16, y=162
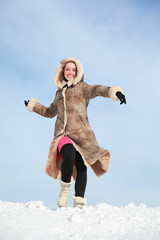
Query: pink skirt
x=64, y=140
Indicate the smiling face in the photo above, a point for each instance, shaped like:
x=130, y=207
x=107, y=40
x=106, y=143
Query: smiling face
x=70, y=71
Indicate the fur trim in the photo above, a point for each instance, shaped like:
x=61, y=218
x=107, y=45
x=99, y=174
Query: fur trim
x=31, y=104
x=71, y=182
x=79, y=199
x=59, y=78
x=112, y=92
x=65, y=114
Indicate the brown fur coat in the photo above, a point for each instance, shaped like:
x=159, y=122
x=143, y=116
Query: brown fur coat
x=70, y=107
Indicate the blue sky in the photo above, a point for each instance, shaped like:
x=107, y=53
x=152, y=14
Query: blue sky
x=118, y=45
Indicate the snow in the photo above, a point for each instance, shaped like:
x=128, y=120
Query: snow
x=35, y=221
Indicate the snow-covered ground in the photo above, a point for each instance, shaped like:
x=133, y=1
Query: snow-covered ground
x=34, y=221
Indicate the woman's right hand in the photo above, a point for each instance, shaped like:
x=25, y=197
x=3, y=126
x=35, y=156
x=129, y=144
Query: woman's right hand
x=26, y=102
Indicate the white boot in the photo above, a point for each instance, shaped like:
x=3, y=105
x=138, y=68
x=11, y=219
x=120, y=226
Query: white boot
x=79, y=202
x=65, y=189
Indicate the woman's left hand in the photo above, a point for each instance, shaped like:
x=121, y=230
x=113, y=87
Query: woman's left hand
x=121, y=97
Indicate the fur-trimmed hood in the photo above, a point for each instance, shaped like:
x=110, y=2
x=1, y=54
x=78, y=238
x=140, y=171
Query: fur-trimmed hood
x=59, y=77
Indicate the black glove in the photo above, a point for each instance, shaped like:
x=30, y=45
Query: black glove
x=121, y=97
x=26, y=102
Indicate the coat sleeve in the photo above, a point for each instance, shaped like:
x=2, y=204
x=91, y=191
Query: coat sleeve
x=92, y=91
x=35, y=106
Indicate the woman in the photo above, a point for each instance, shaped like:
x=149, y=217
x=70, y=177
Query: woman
x=74, y=146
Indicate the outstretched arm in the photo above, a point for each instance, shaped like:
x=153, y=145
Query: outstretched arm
x=34, y=106
x=115, y=93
